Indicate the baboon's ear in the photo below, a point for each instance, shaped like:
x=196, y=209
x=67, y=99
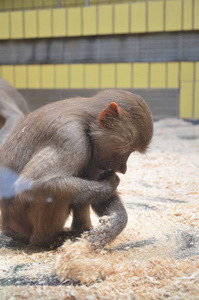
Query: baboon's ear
x=108, y=114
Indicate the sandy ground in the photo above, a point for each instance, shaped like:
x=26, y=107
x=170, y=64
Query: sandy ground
x=155, y=257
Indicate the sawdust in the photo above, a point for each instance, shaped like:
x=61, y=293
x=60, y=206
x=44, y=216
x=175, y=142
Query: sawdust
x=155, y=257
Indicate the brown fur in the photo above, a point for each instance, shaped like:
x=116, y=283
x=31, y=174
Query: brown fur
x=64, y=158
x=13, y=108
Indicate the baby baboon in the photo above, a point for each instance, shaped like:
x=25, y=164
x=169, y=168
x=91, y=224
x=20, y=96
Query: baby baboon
x=64, y=157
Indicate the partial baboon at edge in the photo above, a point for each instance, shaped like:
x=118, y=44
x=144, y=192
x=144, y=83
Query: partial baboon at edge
x=13, y=108
x=64, y=158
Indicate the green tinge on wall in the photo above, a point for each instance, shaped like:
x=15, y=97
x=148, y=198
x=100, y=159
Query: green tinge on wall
x=136, y=17
x=183, y=76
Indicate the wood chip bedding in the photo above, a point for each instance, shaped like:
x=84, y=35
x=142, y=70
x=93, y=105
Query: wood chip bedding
x=155, y=257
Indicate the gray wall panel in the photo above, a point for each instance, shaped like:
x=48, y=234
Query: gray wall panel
x=163, y=103
x=164, y=47
x=190, y=47
x=177, y=46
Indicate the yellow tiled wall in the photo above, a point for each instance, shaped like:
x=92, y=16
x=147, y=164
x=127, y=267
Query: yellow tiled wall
x=92, y=76
x=30, y=24
x=48, y=76
x=141, y=75
x=20, y=77
x=8, y=4
x=107, y=76
x=28, y=4
x=34, y=77
x=124, y=76
x=59, y=22
x=136, y=17
x=173, y=15
x=35, y=4
x=183, y=76
x=4, y=25
x=196, y=14
x=121, y=18
x=186, y=103
x=187, y=15
x=61, y=76
x=196, y=92
x=17, y=25
x=76, y=76
x=90, y=20
x=186, y=79
x=158, y=75
x=156, y=16
x=45, y=23
x=173, y=75
x=105, y=17
x=74, y=21
x=38, y=3
x=7, y=73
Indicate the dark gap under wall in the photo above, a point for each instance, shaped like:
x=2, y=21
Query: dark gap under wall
x=163, y=103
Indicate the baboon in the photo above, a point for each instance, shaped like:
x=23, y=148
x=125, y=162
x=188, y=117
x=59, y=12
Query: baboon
x=64, y=158
x=13, y=108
